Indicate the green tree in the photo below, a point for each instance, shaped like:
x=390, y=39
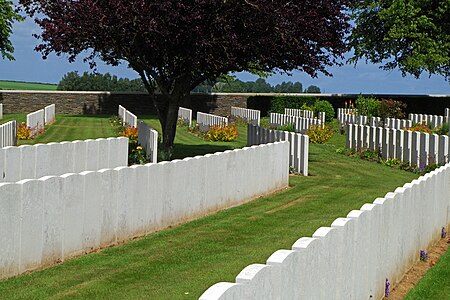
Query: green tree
x=312, y=89
x=411, y=35
x=99, y=82
x=7, y=17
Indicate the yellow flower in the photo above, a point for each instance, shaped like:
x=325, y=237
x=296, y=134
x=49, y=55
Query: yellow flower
x=138, y=148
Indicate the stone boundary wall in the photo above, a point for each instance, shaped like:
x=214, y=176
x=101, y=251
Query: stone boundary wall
x=8, y=136
x=251, y=116
x=36, y=161
x=185, y=114
x=106, y=103
x=50, y=219
x=148, y=139
x=353, y=257
x=301, y=125
x=418, y=148
x=298, y=144
x=205, y=120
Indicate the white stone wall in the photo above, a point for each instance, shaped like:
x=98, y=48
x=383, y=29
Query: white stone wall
x=8, y=134
x=298, y=144
x=50, y=219
x=417, y=148
x=301, y=125
x=36, y=161
x=300, y=113
x=205, y=120
x=352, y=258
x=186, y=115
x=431, y=120
x=36, y=121
x=50, y=112
x=251, y=116
x=148, y=139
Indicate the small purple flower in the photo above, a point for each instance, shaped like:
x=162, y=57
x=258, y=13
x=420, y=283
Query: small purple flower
x=423, y=255
x=443, y=233
x=387, y=290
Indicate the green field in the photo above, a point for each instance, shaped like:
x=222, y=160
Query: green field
x=18, y=85
x=182, y=262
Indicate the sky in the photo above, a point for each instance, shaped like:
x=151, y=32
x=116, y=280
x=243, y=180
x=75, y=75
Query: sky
x=348, y=79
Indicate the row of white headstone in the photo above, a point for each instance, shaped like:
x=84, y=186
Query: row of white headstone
x=353, y=257
x=47, y=220
x=430, y=120
x=418, y=148
x=185, y=115
x=251, y=116
x=36, y=161
x=308, y=114
x=38, y=119
x=301, y=125
x=298, y=144
x=346, y=119
x=8, y=134
x=127, y=117
x=205, y=121
x=1, y=111
x=346, y=111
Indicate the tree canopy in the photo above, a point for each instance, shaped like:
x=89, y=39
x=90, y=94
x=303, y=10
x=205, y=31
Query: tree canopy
x=411, y=35
x=176, y=45
x=7, y=17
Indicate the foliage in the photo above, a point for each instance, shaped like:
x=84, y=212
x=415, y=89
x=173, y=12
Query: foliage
x=98, y=82
x=136, y=154
x=319, y=135
x=233, y=85
x=305, y=106
x=420, y=128
x=392, y=109
x=176, y=45
x=24, y=132
x=182, y=122
x=441, y=130
x=130, y=132
x=7, y=18
x=286, y=127
x=368, y=106
x=279, y=103
x=324, y=106
x=413, y=36
x=222, y=133
x=312, y=89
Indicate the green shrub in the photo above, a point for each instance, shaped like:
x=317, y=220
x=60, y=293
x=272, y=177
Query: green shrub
x=368, y=106
x=392, y=109
x=324, y=106
x=441, y=130
x=279, y=103
x=319, y=135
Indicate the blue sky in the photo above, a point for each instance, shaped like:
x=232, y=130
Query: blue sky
x=365, y=78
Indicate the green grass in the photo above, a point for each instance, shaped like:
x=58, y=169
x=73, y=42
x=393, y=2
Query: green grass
x=18, y=85
x=182, y=262
x=435, y=285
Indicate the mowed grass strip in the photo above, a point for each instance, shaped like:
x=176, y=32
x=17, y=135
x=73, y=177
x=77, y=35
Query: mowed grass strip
x=182, y=262
x=18, y=85
x=435, y=285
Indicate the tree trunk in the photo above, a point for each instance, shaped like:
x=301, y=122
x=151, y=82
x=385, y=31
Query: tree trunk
x=167, y=108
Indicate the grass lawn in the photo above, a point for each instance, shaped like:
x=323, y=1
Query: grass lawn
x=435, y=285
x=182, y=262
x=18, y=85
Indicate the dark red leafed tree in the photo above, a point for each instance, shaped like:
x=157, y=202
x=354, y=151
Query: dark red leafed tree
x=175, y=45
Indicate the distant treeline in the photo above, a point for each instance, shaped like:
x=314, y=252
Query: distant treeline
x=72, y=81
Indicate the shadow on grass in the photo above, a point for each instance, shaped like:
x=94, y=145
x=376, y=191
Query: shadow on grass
x=182, y=150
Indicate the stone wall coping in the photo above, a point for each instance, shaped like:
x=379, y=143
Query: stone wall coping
x=228, y=94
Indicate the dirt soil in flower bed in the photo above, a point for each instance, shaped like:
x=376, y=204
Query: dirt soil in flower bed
x=413, y=276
